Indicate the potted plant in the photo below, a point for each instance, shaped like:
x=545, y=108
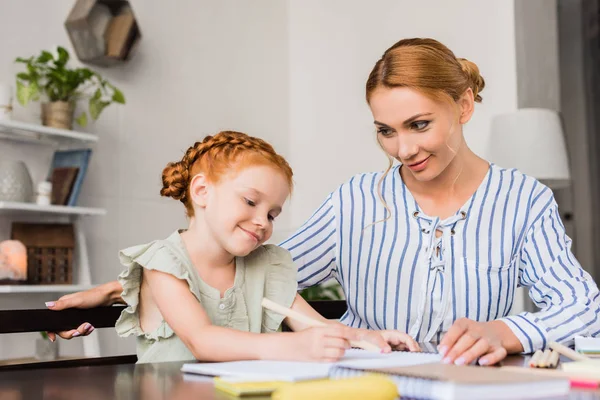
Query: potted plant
x=330, y=290
x=47, y=75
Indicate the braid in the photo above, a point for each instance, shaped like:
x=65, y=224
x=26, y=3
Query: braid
x=213, y=156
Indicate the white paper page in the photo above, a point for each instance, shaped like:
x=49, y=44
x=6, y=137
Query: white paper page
x=356, y=359
x=262, y=370
x=299, y=371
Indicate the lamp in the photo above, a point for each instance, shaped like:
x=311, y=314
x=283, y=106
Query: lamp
x=531, y=140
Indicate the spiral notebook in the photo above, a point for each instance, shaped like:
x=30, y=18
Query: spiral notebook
x=438, y=381
x=291, y=371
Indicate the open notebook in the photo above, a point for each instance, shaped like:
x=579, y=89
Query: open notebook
x=448, y=382
x=300, y=371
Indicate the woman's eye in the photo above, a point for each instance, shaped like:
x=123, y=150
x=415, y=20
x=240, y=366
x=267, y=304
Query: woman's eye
x=420, y=125
x=250, y=202
x=384, y=132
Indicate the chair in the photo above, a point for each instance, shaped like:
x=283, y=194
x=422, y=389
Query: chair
x=19, y=321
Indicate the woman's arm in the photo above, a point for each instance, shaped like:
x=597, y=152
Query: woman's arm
x=566, y=294
x=313, y=246
x=103, y=295
x=207, y=342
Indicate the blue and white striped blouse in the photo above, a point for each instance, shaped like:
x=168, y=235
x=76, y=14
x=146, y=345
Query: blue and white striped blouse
x=397, y=274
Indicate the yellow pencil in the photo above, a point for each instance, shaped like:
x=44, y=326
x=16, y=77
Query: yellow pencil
x=271, y=305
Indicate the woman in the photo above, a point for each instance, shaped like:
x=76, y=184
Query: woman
x=437, y=245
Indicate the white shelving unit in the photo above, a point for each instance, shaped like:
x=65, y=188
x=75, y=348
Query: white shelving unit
x=32, y=133
x=24, y=132
x=43, y=288
x=14, y=207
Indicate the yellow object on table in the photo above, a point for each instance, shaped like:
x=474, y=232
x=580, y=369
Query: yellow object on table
x=248, y=388
x=376, y=387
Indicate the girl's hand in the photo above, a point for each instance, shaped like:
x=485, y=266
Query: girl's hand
x=400, y=341
x=388, y=340
x=323, y=344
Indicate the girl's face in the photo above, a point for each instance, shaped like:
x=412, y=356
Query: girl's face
x=240, y=208
x=423, y=134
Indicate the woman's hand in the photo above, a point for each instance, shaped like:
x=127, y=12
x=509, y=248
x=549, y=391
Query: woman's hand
x=103, y=295
x=83, y=330
x=468, y=340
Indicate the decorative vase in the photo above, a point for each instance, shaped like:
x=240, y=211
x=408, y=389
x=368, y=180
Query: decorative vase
x=58, y=114
x=45, y=350
x=15, y=182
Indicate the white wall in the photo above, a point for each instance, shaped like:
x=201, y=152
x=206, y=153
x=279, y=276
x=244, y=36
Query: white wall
x=202, y=66
x=291, y=72
x=333, y=46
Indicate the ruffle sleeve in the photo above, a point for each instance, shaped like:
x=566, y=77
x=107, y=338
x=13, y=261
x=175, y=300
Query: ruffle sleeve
x=160, y=256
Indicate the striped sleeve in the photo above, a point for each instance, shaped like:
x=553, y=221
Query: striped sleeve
x=313, y=247
x=565, y=293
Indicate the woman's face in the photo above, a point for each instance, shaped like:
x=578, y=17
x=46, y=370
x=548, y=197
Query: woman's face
x=421, y=133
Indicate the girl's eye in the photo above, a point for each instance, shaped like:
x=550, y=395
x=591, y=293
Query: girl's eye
x=419, y=125
x=250, y=202
x=385, y=132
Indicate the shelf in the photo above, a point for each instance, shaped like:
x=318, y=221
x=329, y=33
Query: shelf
x=43, y=288
x=26, y=132
x=61, y=210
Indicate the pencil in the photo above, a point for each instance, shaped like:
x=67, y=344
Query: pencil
x=535, y=359
x=271, y=305
x=553, y=359
x=567, y=352
x=543, y=361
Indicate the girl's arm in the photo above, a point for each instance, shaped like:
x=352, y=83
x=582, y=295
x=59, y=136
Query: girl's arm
x=207, y=342
x=383, y=339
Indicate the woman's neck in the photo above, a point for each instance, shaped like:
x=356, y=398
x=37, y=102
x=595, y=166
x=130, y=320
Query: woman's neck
x=450, y=190
x=465, y=168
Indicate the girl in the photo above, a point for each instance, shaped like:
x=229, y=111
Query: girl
x=197, y=294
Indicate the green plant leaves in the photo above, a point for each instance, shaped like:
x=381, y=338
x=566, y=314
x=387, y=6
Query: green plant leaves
x=63, y=56
x=96, y=107
x=48, y=74
x=26, y=93
x=45, y=57
x=321, y=292
x=82, y=120
x=118, y=96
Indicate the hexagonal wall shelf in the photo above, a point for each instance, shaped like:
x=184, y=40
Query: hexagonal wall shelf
x=102, y=32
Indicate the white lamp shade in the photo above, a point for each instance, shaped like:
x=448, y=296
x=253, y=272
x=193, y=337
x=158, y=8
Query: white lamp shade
x=531, y=140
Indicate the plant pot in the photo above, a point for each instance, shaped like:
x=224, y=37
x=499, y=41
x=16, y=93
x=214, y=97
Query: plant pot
x=45, y=350
x=15, y=182
x=58, y=114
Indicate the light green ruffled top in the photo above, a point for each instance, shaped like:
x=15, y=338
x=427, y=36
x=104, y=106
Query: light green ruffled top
x=266, y=272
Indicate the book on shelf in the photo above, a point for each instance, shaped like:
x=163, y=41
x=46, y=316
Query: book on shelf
x=72, y=159
x=63, y=179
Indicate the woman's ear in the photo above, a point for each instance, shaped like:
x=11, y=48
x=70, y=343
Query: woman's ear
x=466, y=105
x=199, y=186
